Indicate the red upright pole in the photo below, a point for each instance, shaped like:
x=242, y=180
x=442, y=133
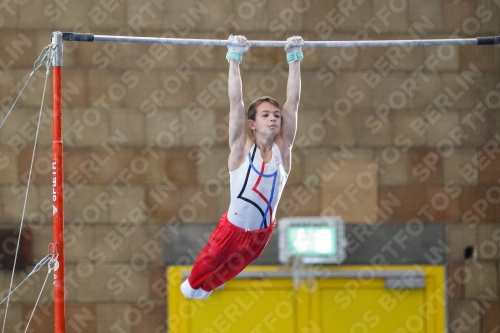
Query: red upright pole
x=57, y=185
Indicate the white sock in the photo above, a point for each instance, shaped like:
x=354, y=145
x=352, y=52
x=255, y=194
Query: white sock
x=187, y=290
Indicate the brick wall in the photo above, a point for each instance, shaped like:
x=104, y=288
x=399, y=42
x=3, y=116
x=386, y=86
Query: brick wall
x=145, y=133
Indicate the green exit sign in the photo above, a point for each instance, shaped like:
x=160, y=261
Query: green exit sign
x=312, y=240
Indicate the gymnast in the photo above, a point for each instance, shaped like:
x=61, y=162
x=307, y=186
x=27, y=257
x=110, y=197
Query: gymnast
x=259, y=164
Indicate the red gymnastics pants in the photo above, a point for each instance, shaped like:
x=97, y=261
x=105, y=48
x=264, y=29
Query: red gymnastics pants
x=229, y=250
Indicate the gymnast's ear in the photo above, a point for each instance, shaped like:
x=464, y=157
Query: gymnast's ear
x=251, y=124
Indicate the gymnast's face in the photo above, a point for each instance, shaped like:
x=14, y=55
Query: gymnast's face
x=267, y=119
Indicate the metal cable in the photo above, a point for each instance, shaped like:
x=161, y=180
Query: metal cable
x=37, y=268
x=38, y=63
x=52, y=262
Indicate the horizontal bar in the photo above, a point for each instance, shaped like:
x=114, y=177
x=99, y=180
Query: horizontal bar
x=270, y=43
x=85, y=37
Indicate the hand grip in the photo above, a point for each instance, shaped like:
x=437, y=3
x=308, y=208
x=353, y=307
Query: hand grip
x=78, y=37
x=488, y=40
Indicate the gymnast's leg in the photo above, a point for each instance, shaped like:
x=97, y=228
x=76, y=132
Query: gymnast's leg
x=229, y=250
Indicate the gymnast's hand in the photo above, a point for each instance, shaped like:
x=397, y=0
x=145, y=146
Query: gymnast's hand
x=293, y=48
x=294, y=44
x=243, y=44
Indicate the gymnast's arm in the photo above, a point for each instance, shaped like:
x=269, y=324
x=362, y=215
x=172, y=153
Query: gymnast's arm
x=289, y=120
x=237, y=117
x=290, y=108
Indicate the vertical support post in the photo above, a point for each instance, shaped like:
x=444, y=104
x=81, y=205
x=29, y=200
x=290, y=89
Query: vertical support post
x=57, y=185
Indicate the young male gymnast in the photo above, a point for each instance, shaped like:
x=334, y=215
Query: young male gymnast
x=259, y=165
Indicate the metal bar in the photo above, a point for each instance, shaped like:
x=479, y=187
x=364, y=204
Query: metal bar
x=397, y=279
x=355, y=274
x=57, y=185
x=88, y=37
x=404, y=283
x=270, y=43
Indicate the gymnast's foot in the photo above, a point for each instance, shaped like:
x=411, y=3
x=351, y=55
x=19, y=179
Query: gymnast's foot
x=190, y=292
x=187, y=290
